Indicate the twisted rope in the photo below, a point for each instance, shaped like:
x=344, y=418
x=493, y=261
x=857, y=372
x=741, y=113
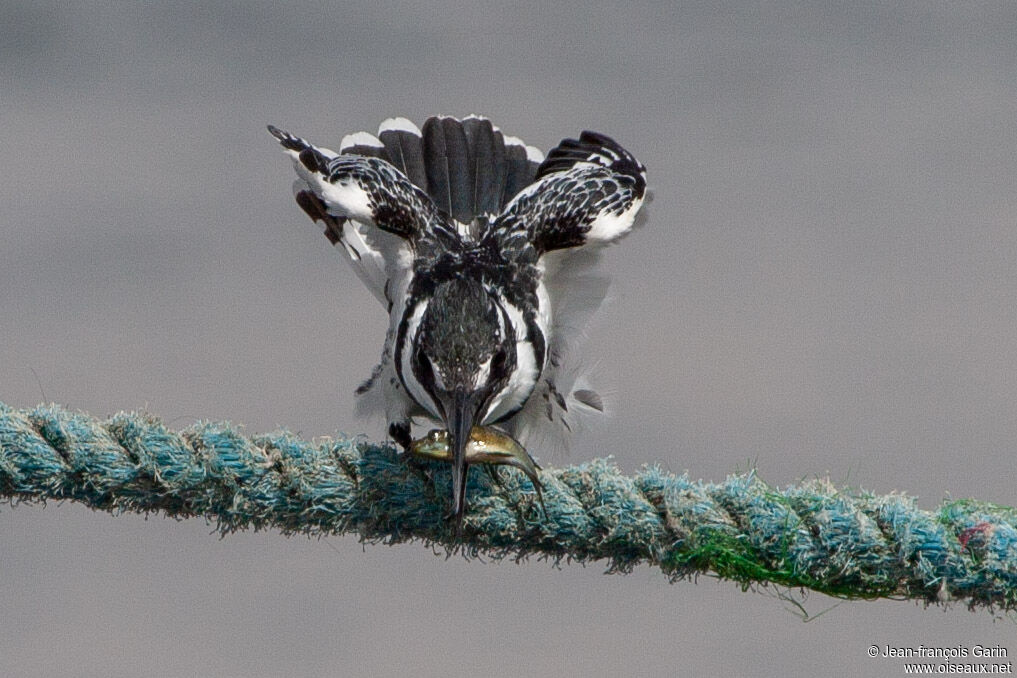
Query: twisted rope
x=811, y=535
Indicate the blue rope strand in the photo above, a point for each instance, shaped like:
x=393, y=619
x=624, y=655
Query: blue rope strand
x=811, y=535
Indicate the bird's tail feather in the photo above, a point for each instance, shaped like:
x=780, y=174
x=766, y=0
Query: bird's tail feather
x=468, y=167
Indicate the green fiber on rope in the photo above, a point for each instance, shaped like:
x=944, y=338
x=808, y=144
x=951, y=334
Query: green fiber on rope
x=810, y=535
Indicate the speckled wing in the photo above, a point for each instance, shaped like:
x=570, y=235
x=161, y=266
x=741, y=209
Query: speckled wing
x=586, y=190
x=363, y=203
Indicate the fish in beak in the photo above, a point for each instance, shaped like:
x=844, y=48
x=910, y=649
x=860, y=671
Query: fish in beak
x=486, y=445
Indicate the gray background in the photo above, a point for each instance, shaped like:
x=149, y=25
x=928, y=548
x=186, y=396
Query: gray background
x=825, y=286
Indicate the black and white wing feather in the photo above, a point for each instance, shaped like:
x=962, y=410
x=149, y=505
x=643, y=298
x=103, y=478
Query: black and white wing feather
x=587, y=190
x=368, y=189
x=364, y=202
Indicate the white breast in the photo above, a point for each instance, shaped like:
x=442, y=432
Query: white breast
x=414, y=387
x=527, y=371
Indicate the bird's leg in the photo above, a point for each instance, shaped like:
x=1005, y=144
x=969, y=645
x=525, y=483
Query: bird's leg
x=399, y=431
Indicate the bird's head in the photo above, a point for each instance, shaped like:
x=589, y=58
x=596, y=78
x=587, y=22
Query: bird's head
x=463, y=356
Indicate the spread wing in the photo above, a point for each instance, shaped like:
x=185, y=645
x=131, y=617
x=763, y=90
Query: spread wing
x=586, y=190
x=365, y=204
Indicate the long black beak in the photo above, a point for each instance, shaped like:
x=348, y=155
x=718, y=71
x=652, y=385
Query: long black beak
x=460, y=423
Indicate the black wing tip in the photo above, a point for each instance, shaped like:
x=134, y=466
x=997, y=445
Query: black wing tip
x=594, y=147
x=288, y=141
x=309, y=156
x=596, y=138
x=625, y=159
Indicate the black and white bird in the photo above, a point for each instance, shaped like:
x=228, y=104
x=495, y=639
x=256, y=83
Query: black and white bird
x=481, y=250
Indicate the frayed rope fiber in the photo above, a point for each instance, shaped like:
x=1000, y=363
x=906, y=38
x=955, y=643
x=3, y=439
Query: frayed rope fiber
x=811, y=535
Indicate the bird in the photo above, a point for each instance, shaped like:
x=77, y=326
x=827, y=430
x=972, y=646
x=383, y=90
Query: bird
x=481, y=250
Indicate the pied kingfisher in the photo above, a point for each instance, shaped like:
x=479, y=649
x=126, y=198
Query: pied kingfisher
x=481, y=250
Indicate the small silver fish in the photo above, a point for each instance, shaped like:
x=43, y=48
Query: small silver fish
x=486, y=446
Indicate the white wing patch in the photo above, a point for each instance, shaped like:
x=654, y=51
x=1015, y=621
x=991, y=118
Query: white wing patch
x=375, y=257
x=345, y=200
x=610, y=225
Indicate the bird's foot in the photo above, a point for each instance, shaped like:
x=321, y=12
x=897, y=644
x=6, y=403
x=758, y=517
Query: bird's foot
x=399, y=431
